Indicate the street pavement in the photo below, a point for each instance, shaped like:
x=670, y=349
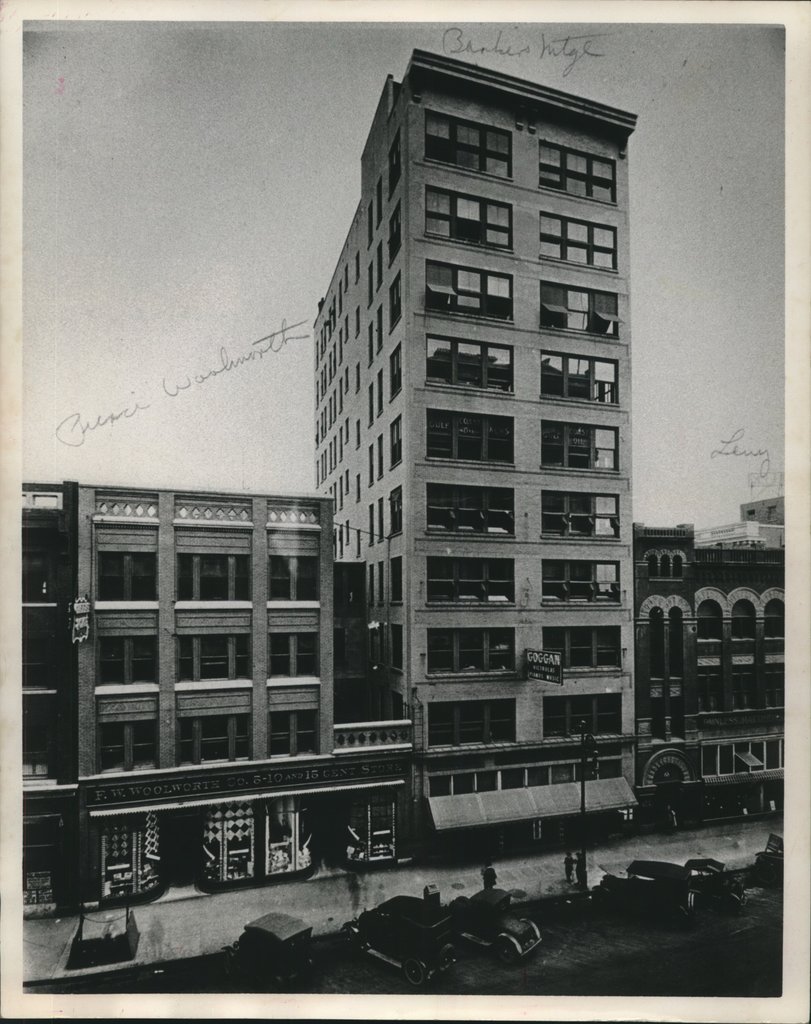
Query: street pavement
x=188, y=923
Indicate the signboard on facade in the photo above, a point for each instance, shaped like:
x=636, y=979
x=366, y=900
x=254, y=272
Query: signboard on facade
x=81, y=620
x=547, y=666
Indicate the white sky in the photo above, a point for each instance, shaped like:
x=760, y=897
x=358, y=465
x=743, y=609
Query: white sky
x=189, y=186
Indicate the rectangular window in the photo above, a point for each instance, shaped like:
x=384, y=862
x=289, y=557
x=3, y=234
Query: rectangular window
x=564, y=716
x=471, y=650
x=379, y=456
x=585, y=646
x=127, y=659
x=379, y=392
x=370, y=283
x=710, y=688
x=472, y=721
x=357, y=267
x=468, y=291
x=467, y=144
x=293, y=654
x=468, y=218
x=213, y=577
x=213, y=738
x=578, y=446
x=124, y=576
x=396, y=645
x=460, y=508
x=578, y=309
x=379, y=198
x=395, y=373
x=456, y=435
x=381, y=533
x=372, y=524
x=357, y=489
x=394, y=162
x=293, y=577
x=371, y=403
x=379, y=328
x=371, y=464
x=580, y=174
x=214, y=657
x=370, y=227
x=371, y=586
x=379, y=265
x=576, y=241
x=381, y=593
x=357, y=321
x=395, y=308
x=589, y=380
x=395, y=232
x=580, y=515
x=396, y=510
x=127, y=746
x=357, y=378
x=471, y=580
x=396, y=442
x=37, y=584
x=396, y=579
x=469, y=364
x=577, y=581
x=292, y=733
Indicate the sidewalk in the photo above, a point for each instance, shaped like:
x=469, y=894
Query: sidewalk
x=187, y=923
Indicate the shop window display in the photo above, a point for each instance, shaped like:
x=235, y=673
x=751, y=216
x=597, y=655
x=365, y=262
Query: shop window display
x=371, y=830
x=130, y=857
x=228, y=843
x=288, y=837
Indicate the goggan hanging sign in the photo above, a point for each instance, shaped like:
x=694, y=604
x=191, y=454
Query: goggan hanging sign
x=546, y=666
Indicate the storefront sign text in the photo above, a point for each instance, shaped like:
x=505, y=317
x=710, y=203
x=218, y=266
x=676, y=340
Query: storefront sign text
x=81, y=619
x=545, y=665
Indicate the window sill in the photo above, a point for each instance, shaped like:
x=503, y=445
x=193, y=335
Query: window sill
x=213, y=684
x=275, y=605
x=553, y=602
x=441, y=460
x=487, y=247
x=120, y=688
x=473, y=605
x=125, y=606
x=394, y=394
x=394, y=465
x=236, y=524
x=468, y=389
x=578, y=470
x=588, y=267
x=576, y=538
x=474, y=535
x=453, y=315
x=428, y=161
x=485, y=675
x=579, y=403
x=548, y=190
x=396, y=321
x=185, y=606
x=293, y=681
x=565, y=332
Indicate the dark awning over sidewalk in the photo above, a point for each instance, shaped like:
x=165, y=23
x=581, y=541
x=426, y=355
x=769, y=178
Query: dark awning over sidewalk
x=769, y=775
x=473, y=810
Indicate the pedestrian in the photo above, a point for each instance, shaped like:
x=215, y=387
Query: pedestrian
x=580, y=871
x=568, y=864
x=489, y=876
x=671, y=814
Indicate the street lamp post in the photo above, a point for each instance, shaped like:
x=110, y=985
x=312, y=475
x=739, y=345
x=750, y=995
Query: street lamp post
x=588, y=747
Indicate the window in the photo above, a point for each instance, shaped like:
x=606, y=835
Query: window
x=394, y=162
x=371, y=587
x=456, y=435
x=293, y=654
x=471, y=650
x=126, y=746
x=357, y=379
x=372, y=524
x=381, y=592
x=127, y=659
x=396, y=510
x=379, y=328
x=396, y=441
x=471, y=721
x=379, y=456
x=585, y=646
x=357, y=267
x=214, y=657
x=357, y=321
x=396, y=578
x=466, y=144
x=471, y=579
x=125, y=576
x=743, y=686
x=459, y=508
x=590, y=380
x=602, y=713
x=468, y=218
x=469, y=364
x=371, y=403
x=291, y=733
x=774, y=679
x=395, y=308
x=710, y=622
x=379, y=198
x=395, y=232
x=379, y=392
x=370, y=228
x=471, y=292
x=380, y=531
x=710, y=688
x=357, y=488
x=371, y=464
x=580, y=515
x=395, y=372
x=578, y=446
x=293, y=577
x=576, y=309
x=743, y=620
x=774, y=619
x=577, y=173
x=36, y=577
x=580, y=581
x=213, y=738
x=379, y=265
x=370, y=284
x=396, y=645
x=213, y=577
x=577, y=241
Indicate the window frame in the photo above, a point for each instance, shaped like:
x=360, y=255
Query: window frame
x=457, y=583
x=455, y=649
x=593, y=384
x=572, y=719
x=458, y=418
x=593, y=516
x=453, y=364
x=127, y=745
x=587, y=177
x=294, y=731
x=455, y=221
x=293, y=654
x=234, y=561
x=565, y=584
x=127, y=659
x=589, y=246
x=456, y=506
x=453, y=146
x=238, y=649
x=595, y=634
x=455, y=709
x=444, y=298
x=567, y=446
x=127, y=576
x=234, y=737
x=295, y=574
x=556, y=302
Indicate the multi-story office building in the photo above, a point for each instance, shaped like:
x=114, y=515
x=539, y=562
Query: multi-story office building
x=709, y=676
x=472, y=427
x=203, y=743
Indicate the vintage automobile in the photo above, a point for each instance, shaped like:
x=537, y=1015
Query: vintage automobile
x=274, y=949
x=769, y=862
x=714, y=885
x=410, y=933
x=651, y=887
x=486, y=919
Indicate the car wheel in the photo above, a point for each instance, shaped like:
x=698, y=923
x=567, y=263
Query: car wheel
x=507, y=953
x=414, y=972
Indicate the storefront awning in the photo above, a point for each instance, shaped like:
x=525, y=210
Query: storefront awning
x=769, y=775
x=473, y=810
x=229, y=798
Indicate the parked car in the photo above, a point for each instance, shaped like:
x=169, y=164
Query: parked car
x=275, y=949
x=714, y=885
x=769, y=862
x=651, y=887
x=486, y=919
x=409, y=933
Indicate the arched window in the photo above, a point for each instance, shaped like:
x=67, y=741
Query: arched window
x=657, y=643
x=677, y=566
x=676, y=647
x=653, y=565
x=709, y=621
x=743, y=620
x=775, y=618
x=665, y=566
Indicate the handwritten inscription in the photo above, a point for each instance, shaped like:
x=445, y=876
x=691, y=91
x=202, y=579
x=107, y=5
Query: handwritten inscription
x=571, y=48
x=730, y=447
x=73, y=429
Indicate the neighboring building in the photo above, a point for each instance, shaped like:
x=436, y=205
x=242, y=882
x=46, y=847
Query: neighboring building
x=771, y=511
x=473, y=430
x=709, y=677
x=762, y=525
x=202, y=748
x=48, y=696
